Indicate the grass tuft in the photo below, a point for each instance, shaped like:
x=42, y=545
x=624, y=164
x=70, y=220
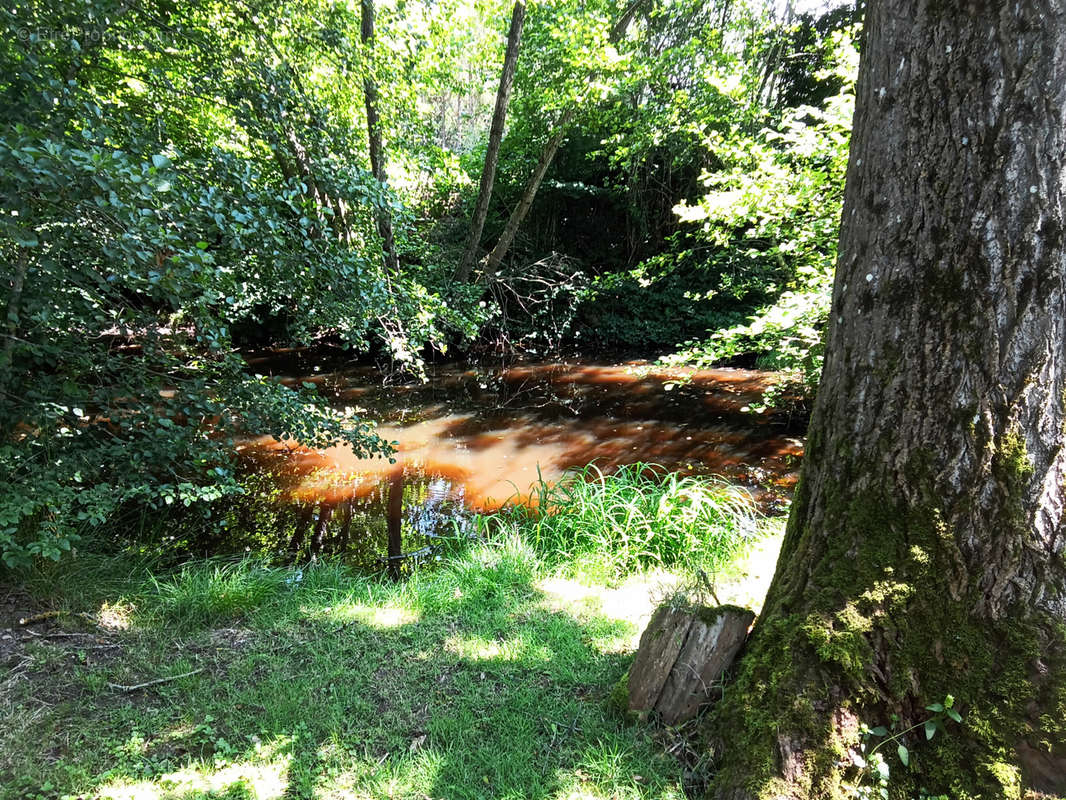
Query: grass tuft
x=636, y=518
x=202, y=594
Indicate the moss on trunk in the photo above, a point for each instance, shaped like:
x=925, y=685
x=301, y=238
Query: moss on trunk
x=887, y=635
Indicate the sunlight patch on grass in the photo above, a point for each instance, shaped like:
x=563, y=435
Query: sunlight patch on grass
x=481, y=648
x=266, y=781
x=378, y=617
x=631, y=601
x=745, y=581
x=407, y=775
x=115, y=616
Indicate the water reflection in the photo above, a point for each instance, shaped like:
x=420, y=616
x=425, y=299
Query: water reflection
x=474, y=439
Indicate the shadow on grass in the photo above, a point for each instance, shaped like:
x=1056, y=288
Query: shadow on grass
x=462, y=684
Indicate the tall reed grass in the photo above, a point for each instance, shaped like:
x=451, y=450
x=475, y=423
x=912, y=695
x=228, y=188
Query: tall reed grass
x=640, y=516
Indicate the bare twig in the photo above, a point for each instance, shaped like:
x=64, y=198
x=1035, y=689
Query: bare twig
x=135, y=687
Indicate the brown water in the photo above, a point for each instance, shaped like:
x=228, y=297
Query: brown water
x=477, y=438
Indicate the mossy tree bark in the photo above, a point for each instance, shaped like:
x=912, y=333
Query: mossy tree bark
x=924, y=553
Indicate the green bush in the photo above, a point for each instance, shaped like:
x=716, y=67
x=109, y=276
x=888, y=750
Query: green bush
x=778, y=198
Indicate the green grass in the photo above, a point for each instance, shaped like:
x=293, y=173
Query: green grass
x=206, y=593
x=484, y=677
x=638, y=517
x=466, y=681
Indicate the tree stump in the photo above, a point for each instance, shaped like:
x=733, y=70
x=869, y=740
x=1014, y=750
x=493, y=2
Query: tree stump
x=682, y=655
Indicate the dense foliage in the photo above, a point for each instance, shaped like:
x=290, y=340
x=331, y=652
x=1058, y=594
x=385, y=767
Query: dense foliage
x=148, y=216
x=777, y=206
x=181, y=182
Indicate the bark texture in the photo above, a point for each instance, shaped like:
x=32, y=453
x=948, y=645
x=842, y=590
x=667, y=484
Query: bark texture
x=924, y=554
x=373, y=130
x=660, y=645
x=682, y=656
x=712, y=643
x=492, y=151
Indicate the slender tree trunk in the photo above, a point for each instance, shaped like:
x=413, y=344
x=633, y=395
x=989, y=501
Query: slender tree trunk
x=547, y=155
x=765, y=93
x=299, y=531
x=924, y=553
x=395, y=523
x=288, y=145
x=492, y=152
x=341, y=543
x=514, y=222
x=14, y=311
x=373, y=129
x=301, y=168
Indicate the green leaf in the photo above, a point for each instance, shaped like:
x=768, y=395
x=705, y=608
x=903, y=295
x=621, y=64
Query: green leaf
x=160, y=161
x=880, y=730
x=936, y=707
x=955, y=715
x=904, y=755
x=930, y=728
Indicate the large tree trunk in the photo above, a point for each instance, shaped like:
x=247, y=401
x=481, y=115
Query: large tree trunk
x=492, y=151
x=373, y=130
x=924, y=553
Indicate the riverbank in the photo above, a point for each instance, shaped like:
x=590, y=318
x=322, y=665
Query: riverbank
x=484, y=677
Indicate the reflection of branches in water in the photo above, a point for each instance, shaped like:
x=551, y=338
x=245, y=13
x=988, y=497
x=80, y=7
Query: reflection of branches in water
x=565, y=414
x=370, y=529
x=527, y=394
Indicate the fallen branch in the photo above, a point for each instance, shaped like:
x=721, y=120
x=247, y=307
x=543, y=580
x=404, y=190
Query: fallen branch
x=61, y=635
x=46, y=616
x=42, y=617
x=146, y=684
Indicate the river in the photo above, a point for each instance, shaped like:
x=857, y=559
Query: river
x=474, y=438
